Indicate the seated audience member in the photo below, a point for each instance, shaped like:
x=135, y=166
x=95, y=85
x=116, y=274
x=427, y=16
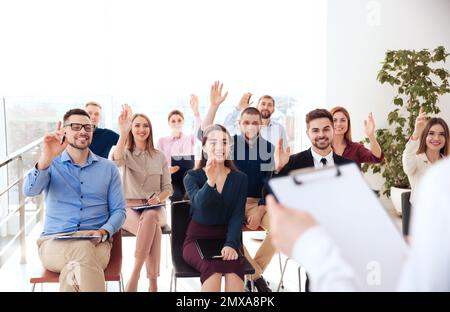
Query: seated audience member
x=83, y=197
x=252, y=155
x=271, y=130
x=319, y=127
x=179, y=144
x=217, y=191
x=428, y=144
x=342, y=140
x=297, y=234
x=146, y=180
x=103, y=139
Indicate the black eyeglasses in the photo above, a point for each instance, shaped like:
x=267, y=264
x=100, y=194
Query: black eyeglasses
x=77, y=127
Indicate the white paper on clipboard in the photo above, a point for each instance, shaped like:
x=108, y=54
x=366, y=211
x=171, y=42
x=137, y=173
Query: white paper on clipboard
x=342, y=202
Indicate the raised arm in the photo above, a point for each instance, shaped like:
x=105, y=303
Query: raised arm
x=411, y=147
x=38, y=177
x=124, y=127
x=194, y=103
x=231, y=120
x=369, y=128
x=216, y=98
x=204, y=198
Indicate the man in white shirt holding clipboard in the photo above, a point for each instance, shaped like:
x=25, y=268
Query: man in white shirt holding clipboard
x=427, y=267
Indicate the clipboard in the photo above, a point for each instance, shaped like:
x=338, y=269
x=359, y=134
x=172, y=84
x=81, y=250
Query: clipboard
x=211, y=249
x=342, y=202
x=145, y=207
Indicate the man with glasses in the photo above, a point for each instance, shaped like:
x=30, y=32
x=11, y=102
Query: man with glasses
x=84, y=199
x=103, y=139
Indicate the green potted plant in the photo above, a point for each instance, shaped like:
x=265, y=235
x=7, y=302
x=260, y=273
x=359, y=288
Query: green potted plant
x=419, y=82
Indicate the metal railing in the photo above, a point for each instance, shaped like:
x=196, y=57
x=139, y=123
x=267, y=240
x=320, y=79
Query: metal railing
x=23, y=200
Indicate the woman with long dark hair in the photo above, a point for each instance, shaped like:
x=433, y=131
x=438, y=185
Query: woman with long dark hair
x=343, y=144
x=428, y=144
x=217, y=191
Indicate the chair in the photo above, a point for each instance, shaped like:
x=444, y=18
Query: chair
x=113, y=272
x=283, y=270
x=180, y=217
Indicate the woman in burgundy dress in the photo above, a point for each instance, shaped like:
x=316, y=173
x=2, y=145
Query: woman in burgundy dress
x=217, y=191
x=345, y=147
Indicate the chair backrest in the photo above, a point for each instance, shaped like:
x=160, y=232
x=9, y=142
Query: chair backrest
x=180, y=218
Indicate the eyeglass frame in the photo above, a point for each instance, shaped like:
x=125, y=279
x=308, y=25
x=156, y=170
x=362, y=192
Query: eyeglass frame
x=82, y=126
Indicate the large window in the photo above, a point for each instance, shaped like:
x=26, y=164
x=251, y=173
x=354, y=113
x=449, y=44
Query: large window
x=153, y=54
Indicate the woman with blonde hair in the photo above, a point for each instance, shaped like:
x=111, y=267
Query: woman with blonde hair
x=146, y=180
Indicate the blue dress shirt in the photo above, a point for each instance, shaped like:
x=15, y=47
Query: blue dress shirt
x=79, y=198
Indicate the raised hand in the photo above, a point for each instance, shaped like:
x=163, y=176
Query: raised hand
x=244, y=102
x=125, y=119
x=369, y=125
x=54, y=144
x=216, y=97
x=281, y=156
x=211, y=171
x=421, y=121
x=193, y=102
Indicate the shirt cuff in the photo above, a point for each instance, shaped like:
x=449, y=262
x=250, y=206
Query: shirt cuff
x=108, y=228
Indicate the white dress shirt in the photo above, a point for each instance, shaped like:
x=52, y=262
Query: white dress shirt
x=428, y=265
x=317, y=159
x=414, y=165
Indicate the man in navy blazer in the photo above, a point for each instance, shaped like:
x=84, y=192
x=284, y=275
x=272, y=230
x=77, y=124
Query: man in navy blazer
x=319, y=127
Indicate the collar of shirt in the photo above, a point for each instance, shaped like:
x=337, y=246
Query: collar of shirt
x=138, y=152
x=317, y=158
x=65, y=157
x=177, y=138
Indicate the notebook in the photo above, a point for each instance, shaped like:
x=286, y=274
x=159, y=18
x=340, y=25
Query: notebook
x=210, y=249
x=144, y=207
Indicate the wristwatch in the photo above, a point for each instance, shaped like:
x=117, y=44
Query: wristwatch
x=105, y=235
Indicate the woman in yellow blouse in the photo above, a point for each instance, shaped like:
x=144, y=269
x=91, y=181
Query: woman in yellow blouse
x=146, y=180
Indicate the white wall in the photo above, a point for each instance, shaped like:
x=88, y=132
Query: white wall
x=358, y=35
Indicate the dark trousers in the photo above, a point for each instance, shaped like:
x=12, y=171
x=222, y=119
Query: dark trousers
x=178, y=192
